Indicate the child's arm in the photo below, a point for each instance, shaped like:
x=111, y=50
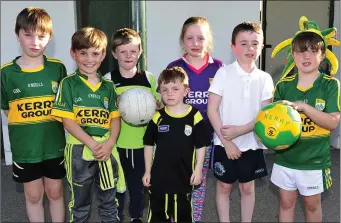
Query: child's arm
x=327, y=121
x=197, y=174
x=230, y=132
x=148, y=159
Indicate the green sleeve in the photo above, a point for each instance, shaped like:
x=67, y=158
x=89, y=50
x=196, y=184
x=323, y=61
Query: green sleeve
x=277, y=92
x=333, y=100
x=112, y=104
x=63, y=106
x=4, y=95
x=153, y=85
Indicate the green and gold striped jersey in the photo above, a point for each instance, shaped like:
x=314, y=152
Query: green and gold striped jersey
x=312, y=151
x=29, y=95
x=92, y=107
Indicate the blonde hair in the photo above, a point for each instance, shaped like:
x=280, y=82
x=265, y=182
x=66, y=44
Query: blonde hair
x=125, y=36
x=201, y=21
x=88, y=37
x=34, y=19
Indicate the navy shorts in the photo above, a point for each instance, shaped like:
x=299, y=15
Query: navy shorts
x=250, y=166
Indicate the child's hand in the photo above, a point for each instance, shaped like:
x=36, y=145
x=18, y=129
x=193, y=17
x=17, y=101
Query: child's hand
x=299, y=105
x=146, y=179
x=232, y=151
x=229, y=132
x=103, y=151
x=196, y=177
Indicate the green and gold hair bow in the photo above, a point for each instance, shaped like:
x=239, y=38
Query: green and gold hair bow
x=309, y=26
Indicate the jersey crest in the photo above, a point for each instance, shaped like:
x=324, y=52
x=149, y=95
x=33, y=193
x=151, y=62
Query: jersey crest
x=320, y=104
x=54, y=86
x=188, y=130
x=106, y=102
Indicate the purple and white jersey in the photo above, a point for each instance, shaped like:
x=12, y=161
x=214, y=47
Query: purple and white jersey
x=199, y=81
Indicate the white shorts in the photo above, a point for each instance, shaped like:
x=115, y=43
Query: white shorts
x=308, y=182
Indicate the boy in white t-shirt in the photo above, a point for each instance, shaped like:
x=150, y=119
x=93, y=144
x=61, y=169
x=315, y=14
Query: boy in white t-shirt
x=238, y=91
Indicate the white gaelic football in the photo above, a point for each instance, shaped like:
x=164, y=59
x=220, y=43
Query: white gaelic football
x=137, y=106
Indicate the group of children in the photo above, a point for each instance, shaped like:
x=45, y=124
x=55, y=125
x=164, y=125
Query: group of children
x=207, y=112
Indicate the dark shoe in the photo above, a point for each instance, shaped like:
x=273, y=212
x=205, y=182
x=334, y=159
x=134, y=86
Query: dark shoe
x=136, y=220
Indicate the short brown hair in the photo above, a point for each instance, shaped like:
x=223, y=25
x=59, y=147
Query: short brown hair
x=246, y=27
x=173, y=74
x=88, y=37
x=33, y=19
x=306, y=40
x=201, y=21
x=125, y=36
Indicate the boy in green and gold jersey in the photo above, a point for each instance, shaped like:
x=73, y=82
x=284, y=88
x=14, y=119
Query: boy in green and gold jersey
x=86, y=103
x=28, y=87
x=305, y=165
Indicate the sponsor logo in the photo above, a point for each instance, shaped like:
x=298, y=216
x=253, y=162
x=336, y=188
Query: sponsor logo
x=35, y=84
x=188, y=130
x=163, y=128
x=95, y=96
x=219, y=169
x=259, y=171
x=79, y=99
x=16, y=91
x=92, y=117
x=313, y=188
x=197, y=97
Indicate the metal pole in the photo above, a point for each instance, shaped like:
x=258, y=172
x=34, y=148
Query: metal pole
x=139, y=24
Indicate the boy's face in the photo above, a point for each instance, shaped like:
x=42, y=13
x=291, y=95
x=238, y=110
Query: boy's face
x=308, y=62
x=173, y=93
x=248, y=47
x=32, y=43
x=195, y=41
x=88, y=60
x=127, y=55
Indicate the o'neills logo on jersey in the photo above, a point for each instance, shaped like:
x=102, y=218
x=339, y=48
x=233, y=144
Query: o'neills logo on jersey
x=310, y=129
x=30, y=110
x=92, y=117
x=197, y=97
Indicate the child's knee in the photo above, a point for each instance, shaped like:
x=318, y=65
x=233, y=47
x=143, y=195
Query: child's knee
x=247, y=188
x=312, y=205
x=54, y=193
x=224, y=188
x=34, y=197
x=287, y=203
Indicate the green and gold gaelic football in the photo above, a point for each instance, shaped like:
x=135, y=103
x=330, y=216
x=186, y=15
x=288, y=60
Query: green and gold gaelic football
x=278, y=126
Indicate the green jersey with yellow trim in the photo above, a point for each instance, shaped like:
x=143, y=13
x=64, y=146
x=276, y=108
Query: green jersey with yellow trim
x=131, y=137
x=29, y=95
x=92, y=107
x=312, y=151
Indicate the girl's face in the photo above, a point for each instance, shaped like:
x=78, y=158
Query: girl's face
x=195, y=40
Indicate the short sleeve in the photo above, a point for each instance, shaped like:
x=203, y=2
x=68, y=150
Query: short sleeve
x=201, y=133
x=277, y=93
x=153, y=84
x=4, y=94
x=217, y=82
x=149, y=138
x=268, y=87
x=63, y=72
x=63, y=106
x=333, y=100
x=112, y=105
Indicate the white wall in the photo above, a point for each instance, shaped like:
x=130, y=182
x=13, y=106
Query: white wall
x=64, y=25
x=165, y=19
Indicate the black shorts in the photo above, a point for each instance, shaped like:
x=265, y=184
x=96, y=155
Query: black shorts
x=250, y=166
x=27, y=172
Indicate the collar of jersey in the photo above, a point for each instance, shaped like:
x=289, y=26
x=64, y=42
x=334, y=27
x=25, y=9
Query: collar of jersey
x=84, y=78
x=29, y=70
x=178, y=115
x=316, y=82
x=241, y=71
x=209, y=60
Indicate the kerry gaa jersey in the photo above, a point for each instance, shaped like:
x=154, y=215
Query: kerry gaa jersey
x=312, y=151
x=92, y=107
x=29, y=95
x=131, y=137
x=199, y=81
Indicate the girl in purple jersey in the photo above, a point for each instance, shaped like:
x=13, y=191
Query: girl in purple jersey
x=196, y=43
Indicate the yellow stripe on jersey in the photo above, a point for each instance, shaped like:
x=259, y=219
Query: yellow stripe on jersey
x=338, y=87
x=156, y=117
x=60, y=94
x=87, y=83
x=31, y=70
x=58, y=114
x=197, y=118
x=30, y=110
x=6, y=64
x=178, y=115
x=53, y=60
x=311, y=130
x=114, y=114
x=96, y=117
